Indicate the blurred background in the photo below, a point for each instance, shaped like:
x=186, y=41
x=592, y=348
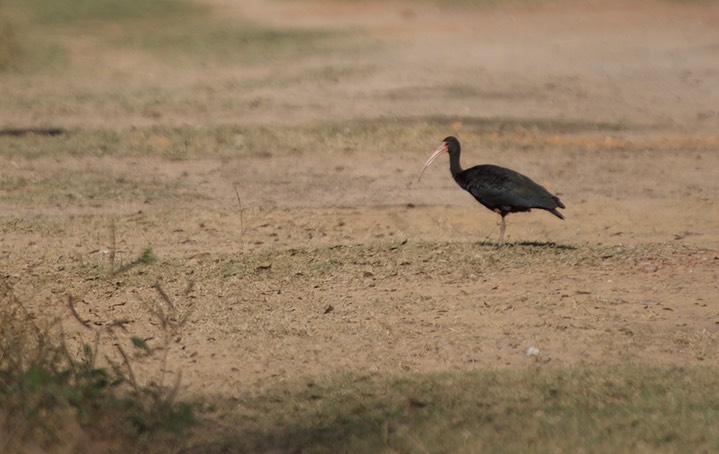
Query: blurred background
x=640, y=65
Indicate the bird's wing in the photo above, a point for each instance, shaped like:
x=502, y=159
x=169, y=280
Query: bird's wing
x=497, y=187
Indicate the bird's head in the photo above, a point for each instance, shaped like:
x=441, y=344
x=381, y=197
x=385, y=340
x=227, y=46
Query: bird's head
x=449, y=145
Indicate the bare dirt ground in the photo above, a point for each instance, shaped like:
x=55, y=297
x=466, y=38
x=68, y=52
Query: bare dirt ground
x=339, y=261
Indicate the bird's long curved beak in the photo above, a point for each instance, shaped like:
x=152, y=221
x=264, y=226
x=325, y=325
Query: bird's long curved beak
x=441, y=149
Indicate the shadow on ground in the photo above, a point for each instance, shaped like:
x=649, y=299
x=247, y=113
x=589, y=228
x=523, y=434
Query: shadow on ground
x=529, y=244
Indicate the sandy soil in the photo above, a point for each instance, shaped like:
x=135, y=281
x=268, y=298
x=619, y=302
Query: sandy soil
x=621, y=102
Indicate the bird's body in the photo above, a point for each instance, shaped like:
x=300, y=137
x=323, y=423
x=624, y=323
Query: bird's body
x=505, y=191
x=499, y=189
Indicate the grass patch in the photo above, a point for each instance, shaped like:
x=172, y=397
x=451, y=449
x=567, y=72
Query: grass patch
x=23, y=50
x=229, y=141
x=431, y=259
x=70, y=12
x=218, y=43
x=171, y=31
x=615, y=409
x=9, y=45
x=62, y=187
x=221, y=141
x=67, y=181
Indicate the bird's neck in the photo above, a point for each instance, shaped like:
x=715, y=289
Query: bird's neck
x=454, y=166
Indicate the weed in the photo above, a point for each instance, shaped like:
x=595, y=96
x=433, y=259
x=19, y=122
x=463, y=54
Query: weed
x=47, y=388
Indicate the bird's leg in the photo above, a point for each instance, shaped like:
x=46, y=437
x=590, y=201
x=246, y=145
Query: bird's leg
x=502, y=228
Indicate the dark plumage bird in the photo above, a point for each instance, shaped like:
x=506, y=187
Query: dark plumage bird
x=501, y=190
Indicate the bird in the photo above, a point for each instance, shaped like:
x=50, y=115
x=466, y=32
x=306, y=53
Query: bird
x=501, y=190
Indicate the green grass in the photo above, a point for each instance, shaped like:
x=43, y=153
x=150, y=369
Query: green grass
x=24, y=51
x=37, y=36
x=9, y=46
x=71, y=12
x=614, y=409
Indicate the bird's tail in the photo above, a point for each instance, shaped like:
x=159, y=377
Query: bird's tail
x=557, y=213
x=559, y=205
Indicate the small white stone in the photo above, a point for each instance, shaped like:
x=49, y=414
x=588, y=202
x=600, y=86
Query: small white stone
x=532, y=351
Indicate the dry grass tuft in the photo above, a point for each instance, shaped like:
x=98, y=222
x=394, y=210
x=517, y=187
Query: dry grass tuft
x=80, y=393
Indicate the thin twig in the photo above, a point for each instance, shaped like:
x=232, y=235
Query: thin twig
x=190, y=287
x=65, y=350
x=130, y=373
x=119, y=323
x=125, y=268
x=185, y=316
x=70, y=303
x=242, y=223
x=28, y=316
x=96, y=346
x=113, y=246
x=175, y=388
x=154, y=309
x=165, y=351
x=163, y=295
